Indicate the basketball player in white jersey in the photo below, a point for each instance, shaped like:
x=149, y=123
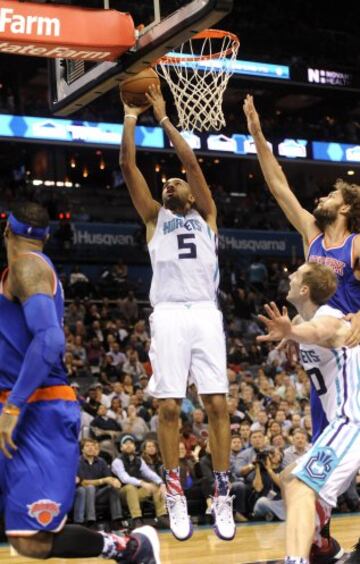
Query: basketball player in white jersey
x=327, y=469
x=187, y=337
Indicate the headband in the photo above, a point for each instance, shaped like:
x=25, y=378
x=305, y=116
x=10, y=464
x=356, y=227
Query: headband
x=25, y=230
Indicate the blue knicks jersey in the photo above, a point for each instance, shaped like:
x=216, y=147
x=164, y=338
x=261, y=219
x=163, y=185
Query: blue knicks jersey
x=15, y=337
x=346, y=299
x=340, y=260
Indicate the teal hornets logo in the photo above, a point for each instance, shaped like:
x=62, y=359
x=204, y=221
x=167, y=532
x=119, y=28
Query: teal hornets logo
x=180, y=223
x=321, y=464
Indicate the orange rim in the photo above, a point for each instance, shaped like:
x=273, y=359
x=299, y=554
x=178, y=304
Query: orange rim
x=206, y=34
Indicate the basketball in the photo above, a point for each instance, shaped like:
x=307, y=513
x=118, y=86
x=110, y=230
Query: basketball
x=133, y=88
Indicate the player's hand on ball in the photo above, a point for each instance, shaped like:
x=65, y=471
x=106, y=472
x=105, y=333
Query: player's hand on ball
x=134, y=110
x=7, y=425
x=155, y=98
x=252, y=117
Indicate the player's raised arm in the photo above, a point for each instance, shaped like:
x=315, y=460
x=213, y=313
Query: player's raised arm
x=139, y=190
x=300, y=218
x=326, y=331
x=199, y=187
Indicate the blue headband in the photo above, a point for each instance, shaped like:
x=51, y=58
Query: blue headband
x=25, y=230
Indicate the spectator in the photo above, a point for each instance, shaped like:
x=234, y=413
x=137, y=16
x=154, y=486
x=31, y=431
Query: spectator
x=151, y=455
x=236, y=448
x=267, y=485
x=244, y=475
x=134, y=424
x=133, y=366
x=190, y=479
x=96, y=485
x=299, y=446
x=118, y=358
x=129, y=308
x=106, y=430
x=236, y=416
x=92, y=403
x=139, y=483
x=199, y=427
x=245, y=432
x=258, y=275
x=116, y=411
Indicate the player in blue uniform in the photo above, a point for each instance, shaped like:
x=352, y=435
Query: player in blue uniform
x=331, y=237
x=39, y=421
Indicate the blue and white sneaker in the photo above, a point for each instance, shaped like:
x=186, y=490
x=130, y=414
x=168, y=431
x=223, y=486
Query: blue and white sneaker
x=143, y=547
x=180, y=522
x=222, y=510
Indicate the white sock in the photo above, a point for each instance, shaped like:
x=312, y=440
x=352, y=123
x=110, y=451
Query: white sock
x=296, y=560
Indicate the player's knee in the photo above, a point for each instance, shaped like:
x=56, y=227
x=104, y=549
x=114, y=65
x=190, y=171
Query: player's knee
x=169, y=411
x=215, y=406
x=37, y=546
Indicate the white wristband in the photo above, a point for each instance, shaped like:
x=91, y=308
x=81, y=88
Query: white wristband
x=130, y=116
x=163, y=119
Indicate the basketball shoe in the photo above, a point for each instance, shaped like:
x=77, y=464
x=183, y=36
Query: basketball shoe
x=222, y=510
x=329, y=553
x=180, y=522
x=143, y=547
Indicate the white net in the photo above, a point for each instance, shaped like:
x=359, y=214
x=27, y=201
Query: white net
x=198, y=74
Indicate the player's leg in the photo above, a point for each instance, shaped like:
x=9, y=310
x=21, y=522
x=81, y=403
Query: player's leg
x=326, y=469
x=208, y=370
x=40, y=491
x=170, y=359
x=324, y=546
x=300, y=500
x=75, y=541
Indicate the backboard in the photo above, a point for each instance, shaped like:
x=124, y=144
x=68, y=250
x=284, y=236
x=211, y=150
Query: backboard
x=162, y=26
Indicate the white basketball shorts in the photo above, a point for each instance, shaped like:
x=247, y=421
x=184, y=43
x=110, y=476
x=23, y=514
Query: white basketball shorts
x=331, y=464
x=187, y=347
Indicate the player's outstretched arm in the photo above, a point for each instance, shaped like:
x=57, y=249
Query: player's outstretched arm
x=299, y=217
x=138, y=188
x=199, y=187
x=326, y=331
x=31, y=280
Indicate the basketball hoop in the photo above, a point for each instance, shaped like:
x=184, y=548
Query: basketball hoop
x=198, y=74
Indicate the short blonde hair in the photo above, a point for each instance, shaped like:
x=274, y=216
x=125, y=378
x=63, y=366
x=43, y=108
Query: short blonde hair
x=321, y=281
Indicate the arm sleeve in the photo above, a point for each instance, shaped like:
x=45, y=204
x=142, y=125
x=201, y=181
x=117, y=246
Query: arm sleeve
x=46, y=347
x=119, y=470
x=149, y=474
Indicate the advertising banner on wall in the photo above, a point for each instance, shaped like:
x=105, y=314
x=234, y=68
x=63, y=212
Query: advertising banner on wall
x=115, y=240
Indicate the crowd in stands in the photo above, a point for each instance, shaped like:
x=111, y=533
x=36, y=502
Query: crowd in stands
x=120, y=469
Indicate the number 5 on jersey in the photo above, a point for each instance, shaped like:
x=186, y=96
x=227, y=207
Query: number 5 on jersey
x=186, y=244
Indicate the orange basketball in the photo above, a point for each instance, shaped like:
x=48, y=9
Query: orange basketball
x=133, y=88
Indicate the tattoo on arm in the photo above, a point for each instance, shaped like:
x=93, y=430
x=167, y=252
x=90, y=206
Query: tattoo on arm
x=29, y=276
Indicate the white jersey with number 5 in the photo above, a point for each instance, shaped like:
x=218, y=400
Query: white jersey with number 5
x=183, y=253
x=335, y=374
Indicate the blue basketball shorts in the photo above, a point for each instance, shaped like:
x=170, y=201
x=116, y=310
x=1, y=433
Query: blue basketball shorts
x=37, y=486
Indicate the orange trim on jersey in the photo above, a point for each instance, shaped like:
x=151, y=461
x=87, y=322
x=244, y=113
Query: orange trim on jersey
x=335, y=246
x=65, y=393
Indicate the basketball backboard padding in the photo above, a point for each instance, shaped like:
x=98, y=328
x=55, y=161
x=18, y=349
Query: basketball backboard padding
x=164, y=36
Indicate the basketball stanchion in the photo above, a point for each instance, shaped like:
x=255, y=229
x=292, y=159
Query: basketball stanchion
x=198, y=73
